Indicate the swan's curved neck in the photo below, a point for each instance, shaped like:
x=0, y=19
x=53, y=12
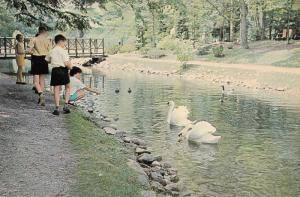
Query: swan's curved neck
x=170, y=112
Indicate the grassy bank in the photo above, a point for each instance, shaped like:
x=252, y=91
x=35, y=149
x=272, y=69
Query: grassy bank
x=102, y=169
x=275, y=53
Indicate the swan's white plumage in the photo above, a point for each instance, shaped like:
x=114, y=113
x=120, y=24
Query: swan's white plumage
x=200, y=132
x=178, y=116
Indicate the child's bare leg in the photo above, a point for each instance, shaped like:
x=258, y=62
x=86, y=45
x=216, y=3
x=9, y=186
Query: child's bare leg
x=56, y=96
x=42, y=82
x=81, y=94
x=67, y=93
x=36, y=79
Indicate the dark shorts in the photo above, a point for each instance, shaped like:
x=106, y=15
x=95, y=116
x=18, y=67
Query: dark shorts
x=39, y=66
x=59, y=76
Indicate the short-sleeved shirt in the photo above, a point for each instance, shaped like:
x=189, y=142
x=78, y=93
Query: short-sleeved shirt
x=40, y=46
x=76, y=85
x=57, y=57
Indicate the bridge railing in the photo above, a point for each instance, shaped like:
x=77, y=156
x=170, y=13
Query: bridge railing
x=76, y=47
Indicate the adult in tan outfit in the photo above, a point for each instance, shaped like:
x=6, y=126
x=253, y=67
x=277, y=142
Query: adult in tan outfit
x=39, y=47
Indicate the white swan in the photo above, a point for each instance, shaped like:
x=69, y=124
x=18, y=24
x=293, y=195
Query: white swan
x=200, y=132
x=178, y=116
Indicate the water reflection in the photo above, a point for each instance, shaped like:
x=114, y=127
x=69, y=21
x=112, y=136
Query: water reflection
x=259, y=154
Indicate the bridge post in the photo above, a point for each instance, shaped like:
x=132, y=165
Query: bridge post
x=103, y=47
x=76, y=52
x=90, y=47
x=5, y=43
x=68, y=46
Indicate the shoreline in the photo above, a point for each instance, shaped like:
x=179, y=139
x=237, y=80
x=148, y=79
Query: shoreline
x=273, y=84
x=92, y=153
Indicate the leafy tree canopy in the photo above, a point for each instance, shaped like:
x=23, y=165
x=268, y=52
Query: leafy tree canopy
x=56, y=14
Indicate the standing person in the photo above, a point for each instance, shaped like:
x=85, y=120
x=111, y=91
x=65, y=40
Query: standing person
x=20, y=58
x=59, y=59
x=39, y=47
x=77, y=87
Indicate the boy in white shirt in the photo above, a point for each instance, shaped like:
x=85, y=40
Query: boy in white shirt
x=60, y=61
x=77, y=87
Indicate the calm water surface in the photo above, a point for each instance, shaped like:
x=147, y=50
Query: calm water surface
x=259, y=154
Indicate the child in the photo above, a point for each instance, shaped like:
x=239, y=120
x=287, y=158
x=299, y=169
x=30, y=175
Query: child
x=61, y=63
x=39, y=47
x=20, y=58
x=77, y=87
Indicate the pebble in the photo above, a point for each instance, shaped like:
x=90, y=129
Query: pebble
x=156, y=186
x=172, y=187
x=138, y=142
x=139, y=151
x=157, y=177
x=158, y=158
x=110, y=131
x=166, y=165
x=155, y=163
x=146, y=158
x=127, y=139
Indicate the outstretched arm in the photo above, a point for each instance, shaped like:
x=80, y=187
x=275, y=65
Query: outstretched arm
x=91, y=90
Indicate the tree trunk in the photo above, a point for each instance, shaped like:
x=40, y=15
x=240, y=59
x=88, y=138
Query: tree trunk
x=288, y=21
x=243, y=25
x=262, y=19
x=231, y=24
x=153, y=30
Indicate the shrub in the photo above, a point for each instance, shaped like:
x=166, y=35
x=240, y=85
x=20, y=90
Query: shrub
x=113, y=50
x=126, y=48
x=203, y=50
x=144, y=51
x=153, y=53
x=168, y=43
x=184, y=54
x=218, y=51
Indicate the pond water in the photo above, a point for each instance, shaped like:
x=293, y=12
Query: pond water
x=259, y=154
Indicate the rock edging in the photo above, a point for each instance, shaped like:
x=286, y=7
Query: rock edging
x=154, y=175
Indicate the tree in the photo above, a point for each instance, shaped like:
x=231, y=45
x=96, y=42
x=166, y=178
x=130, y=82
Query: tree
x=60, y=14
x=243, y=25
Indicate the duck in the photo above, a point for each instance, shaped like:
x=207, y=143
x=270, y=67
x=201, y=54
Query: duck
x=228, y=92
x=178, y=116
x=117, y=91
x=129, y=91
x=200, y=132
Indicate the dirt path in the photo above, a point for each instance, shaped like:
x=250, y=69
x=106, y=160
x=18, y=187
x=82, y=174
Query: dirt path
x=259, y=68
x=36, y=157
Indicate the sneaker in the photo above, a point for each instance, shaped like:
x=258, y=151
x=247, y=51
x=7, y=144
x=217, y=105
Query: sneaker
x=55, y=112
x=66, y=110
x=42, y=100
x=35, y=90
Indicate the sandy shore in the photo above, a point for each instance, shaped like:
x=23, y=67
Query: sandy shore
x=262, y=81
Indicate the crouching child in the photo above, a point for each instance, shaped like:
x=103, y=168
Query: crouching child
x=60, y=61
x=77, y=87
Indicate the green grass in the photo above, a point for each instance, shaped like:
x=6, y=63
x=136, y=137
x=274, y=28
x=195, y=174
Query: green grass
x=102, y=170
x=273, y=53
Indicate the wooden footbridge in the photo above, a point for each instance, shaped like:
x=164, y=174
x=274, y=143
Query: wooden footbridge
x=76, y=47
